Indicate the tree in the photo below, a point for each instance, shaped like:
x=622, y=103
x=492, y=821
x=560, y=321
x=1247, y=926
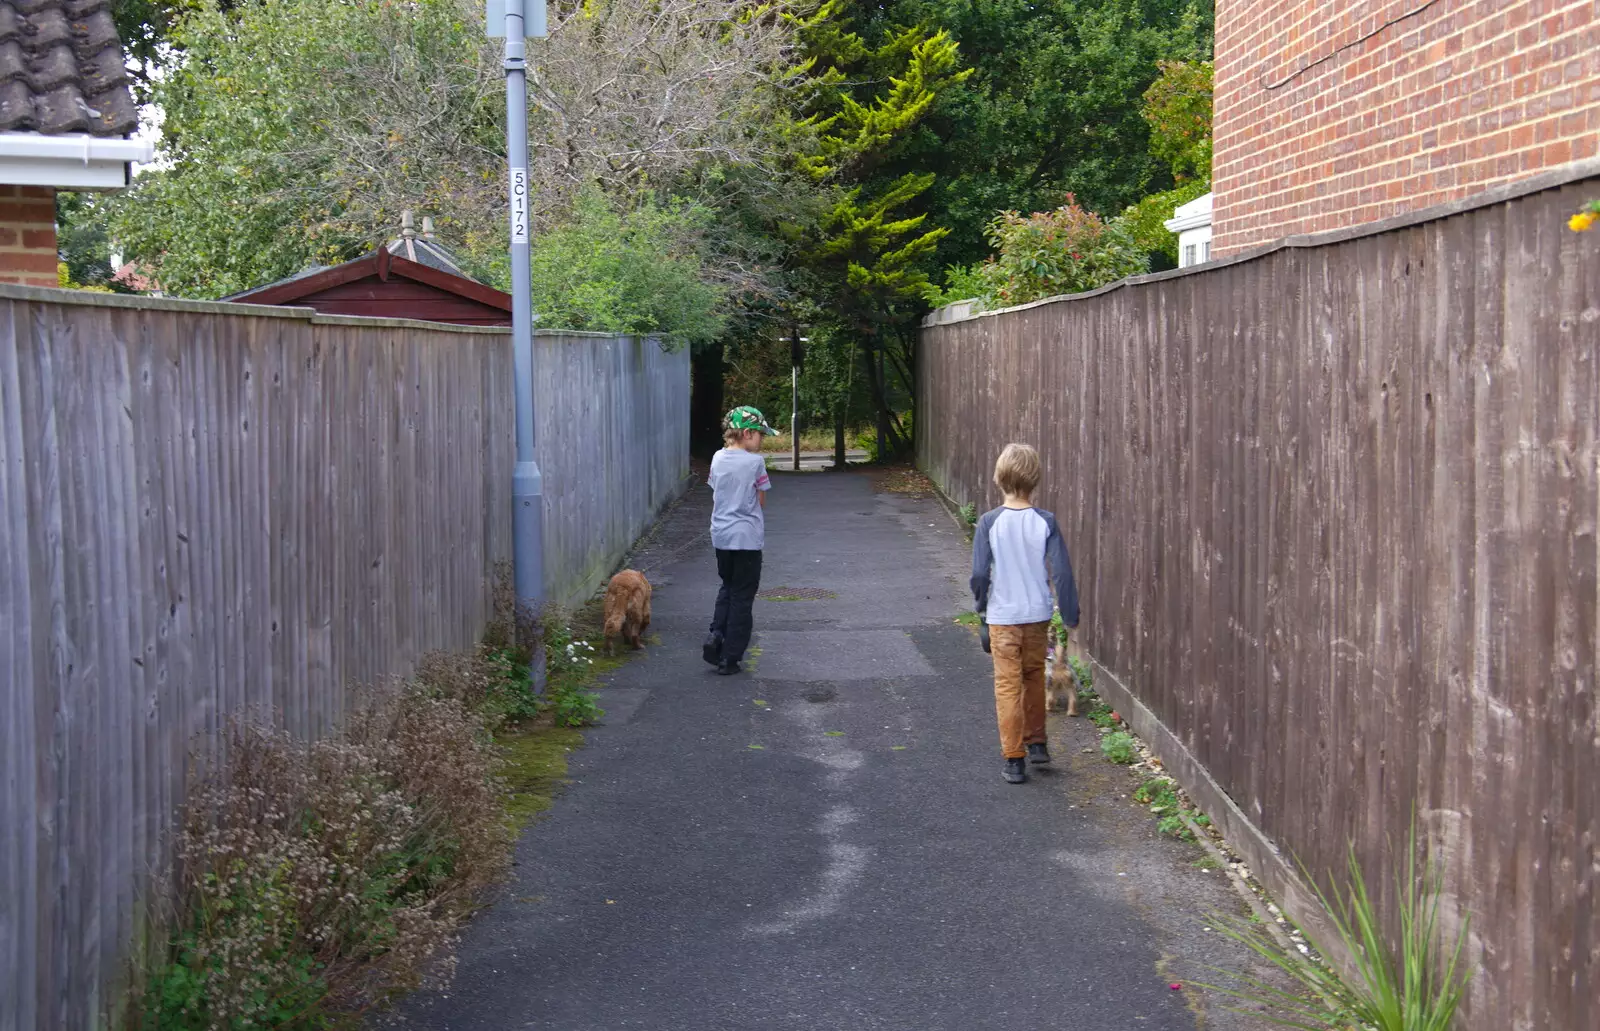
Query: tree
x=632, y=94
x=1053, y=106
x=636, y=270
x=81, y=240
x=1177, y=107
x=297, y=130
x=865, y=258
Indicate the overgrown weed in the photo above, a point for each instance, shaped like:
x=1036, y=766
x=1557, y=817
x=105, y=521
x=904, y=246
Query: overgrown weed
x=1417, y=987
x=313, y=881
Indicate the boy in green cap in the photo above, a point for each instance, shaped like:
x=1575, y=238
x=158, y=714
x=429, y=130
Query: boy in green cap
x=739, y=483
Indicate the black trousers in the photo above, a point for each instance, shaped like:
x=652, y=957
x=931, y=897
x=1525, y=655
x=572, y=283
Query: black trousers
x=741, y=579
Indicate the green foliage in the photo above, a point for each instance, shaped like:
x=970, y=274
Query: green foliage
x=1158, y=793
x=638, y=270
x=1052, y=107
x=1178, y=110
x=856, y=97
x=961, y=283
x=1418, y=988
x=82, y=241
x=867, y=439
x=570, y=666
x=1068, y=250
x=1146, y=220
x=1177, y=107
x=1160, y=796
x=1100, y=714
x=1118, y=747
x=1174, y=827
x=969, y=514
x=863, y=260
x=295, y=131
x=509, y=695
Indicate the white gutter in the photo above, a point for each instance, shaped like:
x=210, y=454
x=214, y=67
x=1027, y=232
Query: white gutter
x=70, y=161
x=1178, y=225
x=1196, y=214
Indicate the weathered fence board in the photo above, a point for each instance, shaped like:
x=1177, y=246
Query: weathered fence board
x=209, y=509
x=613, y=433
x=1333, y=511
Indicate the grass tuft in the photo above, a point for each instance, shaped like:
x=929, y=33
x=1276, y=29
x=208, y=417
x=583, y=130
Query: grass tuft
x=1417, y=988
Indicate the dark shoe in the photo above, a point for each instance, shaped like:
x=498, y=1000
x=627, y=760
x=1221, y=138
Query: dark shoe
x=711, y=651
x=1039, y=754
x=1016, y=771
x=728, y=669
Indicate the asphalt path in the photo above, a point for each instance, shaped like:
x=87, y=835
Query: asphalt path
x=823, y=842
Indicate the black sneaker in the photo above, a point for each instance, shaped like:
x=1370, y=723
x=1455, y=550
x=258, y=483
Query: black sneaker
x=728, y=669
x=1039, y=754
x=1016, y=771
x=711, y=651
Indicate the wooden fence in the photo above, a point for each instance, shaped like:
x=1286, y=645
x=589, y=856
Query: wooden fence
x=1332, y=507
x=613, y=433
x=209, y=509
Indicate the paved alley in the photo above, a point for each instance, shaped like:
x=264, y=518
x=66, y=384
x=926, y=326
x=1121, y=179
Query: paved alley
x=824, y=842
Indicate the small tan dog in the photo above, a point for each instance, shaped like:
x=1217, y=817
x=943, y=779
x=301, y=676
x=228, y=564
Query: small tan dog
x=627, y=609
x=1060, y=683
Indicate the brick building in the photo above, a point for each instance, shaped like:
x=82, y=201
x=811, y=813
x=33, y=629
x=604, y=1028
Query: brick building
x=65, y=115
x=1332, y=113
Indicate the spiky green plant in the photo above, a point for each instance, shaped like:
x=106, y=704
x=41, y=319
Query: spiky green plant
x=1418, y=989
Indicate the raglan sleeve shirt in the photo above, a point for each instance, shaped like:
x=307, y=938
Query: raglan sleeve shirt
x=982, y=561
x=1057, y=565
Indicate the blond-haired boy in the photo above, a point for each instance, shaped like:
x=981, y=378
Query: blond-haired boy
x=1017, y=551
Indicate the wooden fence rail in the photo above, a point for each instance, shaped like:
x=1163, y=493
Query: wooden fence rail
x=208, y=509
x=1333, y=510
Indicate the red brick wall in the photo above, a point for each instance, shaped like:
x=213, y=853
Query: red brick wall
x=1458, y=97
x=28, y=235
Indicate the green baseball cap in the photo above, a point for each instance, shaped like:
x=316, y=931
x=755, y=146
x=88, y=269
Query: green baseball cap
x=747, y=418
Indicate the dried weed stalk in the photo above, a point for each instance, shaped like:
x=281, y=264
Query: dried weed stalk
x=314, y=881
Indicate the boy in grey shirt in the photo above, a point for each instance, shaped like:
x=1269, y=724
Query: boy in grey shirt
x=1017, y=551
x=739, y=483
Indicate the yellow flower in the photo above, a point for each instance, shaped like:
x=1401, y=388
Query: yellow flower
x=1582, y=221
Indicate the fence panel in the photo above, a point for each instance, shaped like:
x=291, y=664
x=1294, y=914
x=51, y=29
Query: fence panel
x=1333, y=511
x=211, y=509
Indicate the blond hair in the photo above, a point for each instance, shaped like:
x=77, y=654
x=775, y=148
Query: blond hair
x=1017, y=470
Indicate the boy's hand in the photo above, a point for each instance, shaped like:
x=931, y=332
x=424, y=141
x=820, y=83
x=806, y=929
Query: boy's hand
x=983, y=634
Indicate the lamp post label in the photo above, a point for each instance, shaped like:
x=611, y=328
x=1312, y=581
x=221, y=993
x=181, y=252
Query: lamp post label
x=519, y=206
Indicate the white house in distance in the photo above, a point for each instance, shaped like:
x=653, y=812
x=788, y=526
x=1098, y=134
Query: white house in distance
x=1192, y=223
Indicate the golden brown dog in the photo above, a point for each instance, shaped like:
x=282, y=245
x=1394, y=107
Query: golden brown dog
x=1061, y=683
x=627, y=609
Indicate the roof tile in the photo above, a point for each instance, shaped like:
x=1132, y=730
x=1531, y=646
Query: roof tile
x=61, y=69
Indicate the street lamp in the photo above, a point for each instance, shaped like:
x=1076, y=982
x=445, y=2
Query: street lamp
x=527, y=489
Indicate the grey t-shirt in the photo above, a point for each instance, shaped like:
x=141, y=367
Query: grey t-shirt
x=737, y=476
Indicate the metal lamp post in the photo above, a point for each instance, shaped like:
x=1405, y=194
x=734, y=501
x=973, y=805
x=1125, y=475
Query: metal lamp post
x=527, y=490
